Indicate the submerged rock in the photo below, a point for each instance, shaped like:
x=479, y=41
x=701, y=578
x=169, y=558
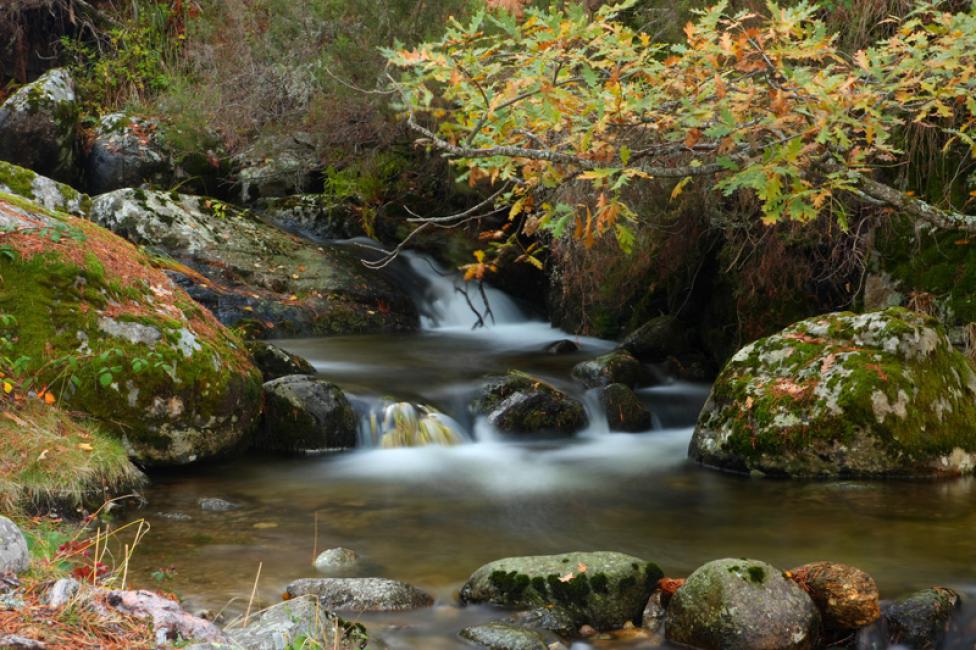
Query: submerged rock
x=37, y=126
x=922, y=619
x=618, y=367
x=14, y=556
x=248, y=272
x=303, y=414
x=213, y=504
x=361, y=594
x=847, y=597
x=502, y=636
x=42, y=190
x=868, y=395
x=174, y=384
x=742, y=605
x=601, y=589
x=625, y=411
x=275, y=363
x=520, y=404
x=126, y=152
x=657, y=340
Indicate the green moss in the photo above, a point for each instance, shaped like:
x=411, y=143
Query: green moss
x=20, y=181
x=757, y=574
x=511, y=584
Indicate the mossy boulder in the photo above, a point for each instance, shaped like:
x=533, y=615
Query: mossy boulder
x=317, y=217
x=860, y=395
x=37, y=126
x=618, y=367
x=742, y=605
x=305, y=414
x=126, y=152
x=602, y=589
x=657, y=339
x=114, y=338
x=517, y=403
x=922, y=619
x=42, y=190
x=625, y=412
x=251, y=273
x=275, y=363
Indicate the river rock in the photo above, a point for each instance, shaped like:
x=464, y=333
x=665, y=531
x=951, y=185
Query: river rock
x=618, y=367
x=61, y=593
x=126, y=152
x=847, y=597
x=14, y=556
x=657, y=340
x=336, y=559
x=562, y=346
x=844, y=395
x=921, y=620
x=75, y=288
x=37, y=126
x=361, y=594
x=549, y=619
x=742, y=605
x=213, y=504
x=42, y=190
x=414, y=425
x=601, y=589
x=520, y=404
x=625, y=411
x=317, y=217
x=275, y=363
x=502, y=636
x=248, y=272
x=305, y=414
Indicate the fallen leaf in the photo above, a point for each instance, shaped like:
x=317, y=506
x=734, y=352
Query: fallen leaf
x=42, y=455
x=8, y=387
x=828, y=363
x=48, y=398
x=84, y=446
x=566, y=578
x=581, y=567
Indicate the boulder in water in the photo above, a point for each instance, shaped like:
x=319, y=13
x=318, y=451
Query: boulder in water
x=562, y=346
x=847, y=597
x=336, y=559
x=625, y=411
x=407, y=425
x=126, y=152
x=296, y=623
x=867, y=395
x=275, y=363
x=601, y=589
x=305, y=414
x=618, y=367
x=503, y=636
x=361, y=594
x=922, y=619
x=742, y=605
x=520, y=404
x=657, y=340
x=37, y=126
x=14, y=556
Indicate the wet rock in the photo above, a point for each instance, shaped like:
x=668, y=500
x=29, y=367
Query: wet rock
x=618, y=367
x=742, y=605
x=37, y=126
x=336, y=559
x=520, y=404
x=502, y=636
x=549, y=619
x=211, y=504
x=361, y=594
x=126, y=152
x=168, y=619
x=625, y=411
x=414, y=425
x=61, y=592
x=844, y=395
x=563, y=346
x=250, y=273
x=655, y=613
x=317, y=217
x=175, y=516
x=921, y=620
x=657, y=340
x=42, y=190
x=197, y=394
x=14, y=556
x=847, y=597
x=303, y=414
x=602, y=589
x=275, y=363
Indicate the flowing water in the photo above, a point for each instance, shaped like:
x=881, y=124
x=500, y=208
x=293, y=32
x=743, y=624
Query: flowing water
x=432, y=515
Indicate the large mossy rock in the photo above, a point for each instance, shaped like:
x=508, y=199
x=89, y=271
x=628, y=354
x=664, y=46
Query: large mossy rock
x=305, y=414
x=602, y=589
x=126, y=152
x=742, y=605
x=76, y=290
x=42, y=190
x=247, y=271
x=37, y=126
x=520, y=404
x=863, y=395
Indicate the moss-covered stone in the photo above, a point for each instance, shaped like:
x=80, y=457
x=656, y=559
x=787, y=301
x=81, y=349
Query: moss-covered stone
x=521, y=404
x=625, y=411
x=305, y=414
x=618, y=367
x=126, y=152
x=601, y=589
x=742, y=604
x=870, y=395
x=274, y=363
x=117, y=340
x=45, y=192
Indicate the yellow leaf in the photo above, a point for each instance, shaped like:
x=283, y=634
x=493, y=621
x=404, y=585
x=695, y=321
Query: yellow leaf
x=84, y=446
x=8, y=387
x=680, y=187
x=48, y=398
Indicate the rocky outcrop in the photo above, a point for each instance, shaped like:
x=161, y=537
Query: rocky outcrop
x=126, y=152
x=520, y=404
x=867, y=395
x=14, y=556
x=248, y=272
x=742, y=605
x=305, y=414
x=159, y=371
x=317, y=217
x=602, y=589
x=42, y=190
x=361, y=594
x=618, y=367
x=37, y=126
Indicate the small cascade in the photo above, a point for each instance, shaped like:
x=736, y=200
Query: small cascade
x=402, y=424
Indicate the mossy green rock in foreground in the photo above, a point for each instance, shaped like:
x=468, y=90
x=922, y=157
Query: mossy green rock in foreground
x=742, y=605
x=601, y=589
x=844, y=395
x=77, y=292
